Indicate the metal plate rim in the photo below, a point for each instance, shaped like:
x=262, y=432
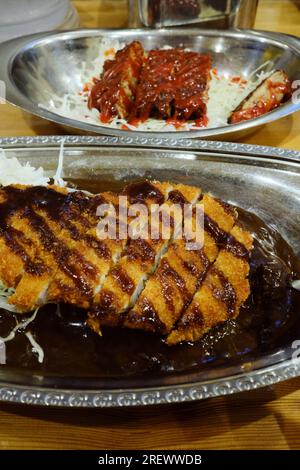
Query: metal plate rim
x=152, y=395
x=154, y=142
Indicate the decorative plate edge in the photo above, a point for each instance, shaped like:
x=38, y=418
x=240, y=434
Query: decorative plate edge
x=155, y=142
x=173, y=394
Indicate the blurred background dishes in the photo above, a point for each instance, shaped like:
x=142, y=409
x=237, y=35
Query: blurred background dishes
x=21, y=17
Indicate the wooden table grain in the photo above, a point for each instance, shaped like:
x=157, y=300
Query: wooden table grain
x=268, y=418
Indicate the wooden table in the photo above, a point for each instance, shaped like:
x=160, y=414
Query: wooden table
x=268, y=418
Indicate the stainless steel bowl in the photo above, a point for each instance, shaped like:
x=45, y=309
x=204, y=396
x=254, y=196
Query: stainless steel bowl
x=36, y=69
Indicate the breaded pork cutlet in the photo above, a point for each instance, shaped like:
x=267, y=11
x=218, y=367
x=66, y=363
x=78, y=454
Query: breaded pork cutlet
x=173, y=85
x=114, y=92
x=171, y=288
x=62, y=226
x=51, y=251
x=49, y=247
x=93, y=257
x=224, y=290
x=140, y=257
x=17, y=251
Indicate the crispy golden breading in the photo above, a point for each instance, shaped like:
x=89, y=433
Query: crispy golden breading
x=16, y=249
x=93, y=256
x=224, y=290
x=170, y=290
x=139, y=259
x=17, y=235
x=66, y=242
x=63, y=258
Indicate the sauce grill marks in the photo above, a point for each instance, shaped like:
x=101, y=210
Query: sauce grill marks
x=171, y=288
x=41, y=223
x=78, y=222
x=166, y=84
x=224, y=290
x=67, y=258
x=15, y=213
x=17, y=251
x=140, y=257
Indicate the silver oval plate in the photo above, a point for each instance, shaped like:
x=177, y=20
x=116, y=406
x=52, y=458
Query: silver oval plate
x=240, y=174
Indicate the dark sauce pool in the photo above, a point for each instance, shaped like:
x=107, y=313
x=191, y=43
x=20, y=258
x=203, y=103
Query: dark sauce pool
x=268, y=322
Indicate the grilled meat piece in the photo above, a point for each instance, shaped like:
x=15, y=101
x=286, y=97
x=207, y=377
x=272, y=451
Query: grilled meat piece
x=114, y=92
x=222, y=293
x=139, y=259
x=171, y=288
x=173, y=84
x=267, y=96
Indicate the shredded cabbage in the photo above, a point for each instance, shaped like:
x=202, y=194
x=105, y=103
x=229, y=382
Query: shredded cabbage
x=13, y=172
x=22, y=325
x=36, y=347
x=58, y=179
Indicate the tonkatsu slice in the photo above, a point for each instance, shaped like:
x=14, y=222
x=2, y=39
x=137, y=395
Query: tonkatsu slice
x=69, y=261
x=170, y=289
x=267, y=96
x=224, y=290
x=93, y=257
x=17, y=252
x=140, y=257
x=114, y=92
x=173, y=85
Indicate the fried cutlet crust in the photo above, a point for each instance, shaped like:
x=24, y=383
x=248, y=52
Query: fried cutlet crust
x=170, y=290
x=17, y=249
x=63, y=231
x=49, y=246
x=94, y=257
x=51, y=252
x=138, y=260
x=224, y=290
